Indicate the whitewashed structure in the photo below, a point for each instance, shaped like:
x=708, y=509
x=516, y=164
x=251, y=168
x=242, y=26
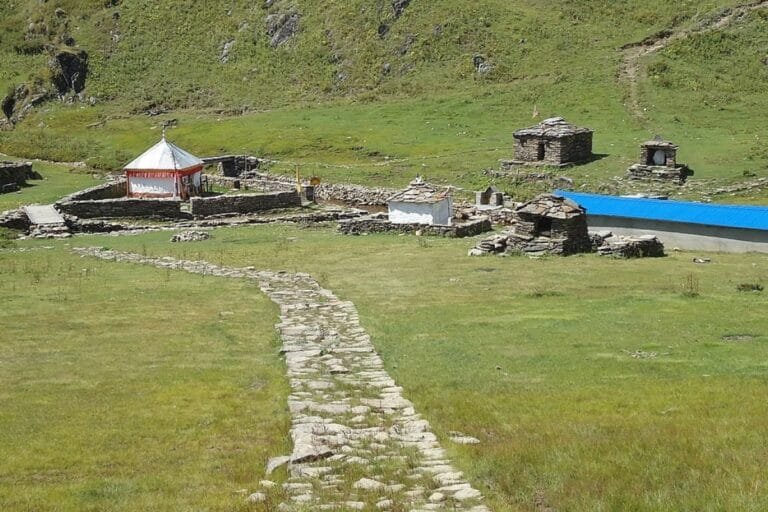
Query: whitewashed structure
x=420, y=203
x=164, y=170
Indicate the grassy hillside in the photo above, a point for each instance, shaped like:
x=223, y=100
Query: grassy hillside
x=351, y=104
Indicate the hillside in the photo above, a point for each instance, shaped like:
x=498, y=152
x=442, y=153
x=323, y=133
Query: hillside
x=435, y=87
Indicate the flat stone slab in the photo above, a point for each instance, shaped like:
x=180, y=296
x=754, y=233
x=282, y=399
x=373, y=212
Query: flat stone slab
x=43, y=214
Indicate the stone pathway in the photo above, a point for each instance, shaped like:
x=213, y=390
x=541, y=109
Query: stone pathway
x=358, y=444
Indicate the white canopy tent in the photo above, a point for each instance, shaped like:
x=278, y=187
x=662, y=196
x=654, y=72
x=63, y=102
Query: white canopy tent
x=164, y=170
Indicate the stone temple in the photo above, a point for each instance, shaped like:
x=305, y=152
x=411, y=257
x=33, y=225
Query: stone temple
x=658, y=162
x=553, y=142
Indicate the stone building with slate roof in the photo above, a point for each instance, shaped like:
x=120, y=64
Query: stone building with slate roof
x=553, y=142
x=658, y=162
x=551, y=224
x=547, y=224
x=420, y=203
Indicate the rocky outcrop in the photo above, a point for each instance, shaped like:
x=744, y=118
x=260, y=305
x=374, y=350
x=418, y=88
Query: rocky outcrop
x=69, y=69
x=19, y=101
x=282, y=25
x=398, y=7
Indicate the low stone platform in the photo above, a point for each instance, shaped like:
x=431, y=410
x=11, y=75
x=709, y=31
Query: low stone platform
x=379, y=223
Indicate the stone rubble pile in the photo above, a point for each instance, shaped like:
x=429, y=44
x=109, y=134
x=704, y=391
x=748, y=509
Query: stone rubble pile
x=14, y=219
x=603, y=243
x=358, y=444
x=49, y=231
x=190, y=236
x=641, y=246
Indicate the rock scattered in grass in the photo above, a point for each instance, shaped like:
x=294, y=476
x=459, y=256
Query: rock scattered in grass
x=459, y=438
x=190, y=236
x=737, y=337
x=257, y=497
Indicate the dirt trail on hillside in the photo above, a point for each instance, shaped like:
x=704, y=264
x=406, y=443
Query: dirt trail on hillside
x=632, y=53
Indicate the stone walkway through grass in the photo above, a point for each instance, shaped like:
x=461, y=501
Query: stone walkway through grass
x=358, y=444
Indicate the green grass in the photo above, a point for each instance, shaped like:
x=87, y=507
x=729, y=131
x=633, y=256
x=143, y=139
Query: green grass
x=433, y=115
x=57, y=182
x=598, y=384
x=132, y=388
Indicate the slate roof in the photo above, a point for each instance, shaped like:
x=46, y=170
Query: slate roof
x=164, y=156
x=658, y=142
x=554, y=127
x=723, y=215
x=419, y=191
x=552, y=206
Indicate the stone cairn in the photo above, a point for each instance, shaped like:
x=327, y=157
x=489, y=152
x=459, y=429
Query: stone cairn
x=358, y=444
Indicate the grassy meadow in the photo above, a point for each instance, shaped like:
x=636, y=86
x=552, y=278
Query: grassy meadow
x=593, y=384
x=131, y=388
x=321, y=102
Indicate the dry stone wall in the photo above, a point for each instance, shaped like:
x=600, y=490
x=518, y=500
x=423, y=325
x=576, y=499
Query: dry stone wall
x=125, y=207
x=380, y=224
x=243, y=203
x=111, y=190
x=348, y=194
x=15, y=174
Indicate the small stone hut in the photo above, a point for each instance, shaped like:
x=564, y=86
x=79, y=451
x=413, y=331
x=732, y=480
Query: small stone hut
x=420, y=203
x=658, y=162
x=553, y=142
x=551, y=224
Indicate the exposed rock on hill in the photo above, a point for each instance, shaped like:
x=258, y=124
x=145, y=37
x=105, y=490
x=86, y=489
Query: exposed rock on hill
x=282, y=26
x=69, y=68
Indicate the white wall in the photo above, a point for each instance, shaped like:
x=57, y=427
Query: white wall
x=420, y=213
x=154, y=186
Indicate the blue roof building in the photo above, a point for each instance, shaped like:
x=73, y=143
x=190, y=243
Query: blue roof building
x=681, y=224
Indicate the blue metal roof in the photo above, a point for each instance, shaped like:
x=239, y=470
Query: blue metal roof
x=725, y=215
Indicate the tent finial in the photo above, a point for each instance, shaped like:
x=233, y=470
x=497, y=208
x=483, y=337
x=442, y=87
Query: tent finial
x=164, y=128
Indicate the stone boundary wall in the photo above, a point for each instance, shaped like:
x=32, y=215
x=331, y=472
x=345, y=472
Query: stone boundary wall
x=111, y=208
x=15, y=219
x=244, y=203
x=17, y=173
x=381, y=224
x=350, y=194
x=111, y=190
